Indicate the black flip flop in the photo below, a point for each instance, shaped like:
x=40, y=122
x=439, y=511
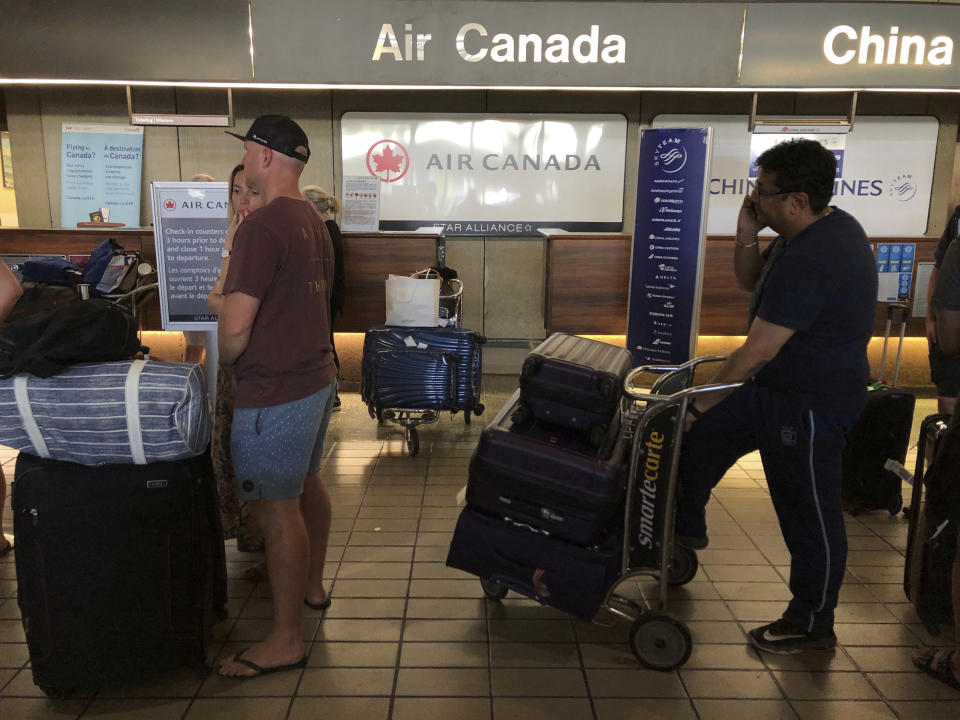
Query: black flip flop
x=260, y=671
x=317, y=606
x=937, y=665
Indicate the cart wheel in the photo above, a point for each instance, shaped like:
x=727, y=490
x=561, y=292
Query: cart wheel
x=478, y=410
x=492, y=589
x=660, y=642
x=413, y=441
x=684, y=567
x=520, y=414
x=896, y=504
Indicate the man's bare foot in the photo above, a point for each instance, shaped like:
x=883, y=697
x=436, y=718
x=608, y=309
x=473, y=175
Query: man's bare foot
x=263, y=658
x=317, y=600
x=941, y=663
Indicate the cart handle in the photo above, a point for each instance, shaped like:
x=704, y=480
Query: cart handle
x=680, y=394
x=690, y=366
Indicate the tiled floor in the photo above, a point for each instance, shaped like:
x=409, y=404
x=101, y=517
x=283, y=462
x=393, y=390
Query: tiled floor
x=406, y=638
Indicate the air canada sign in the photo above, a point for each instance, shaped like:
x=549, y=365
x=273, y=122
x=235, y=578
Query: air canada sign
x=491, y=174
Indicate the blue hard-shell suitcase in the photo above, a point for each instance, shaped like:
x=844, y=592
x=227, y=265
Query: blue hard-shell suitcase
x=414, y=379
x=465, y=344
x=553, y=572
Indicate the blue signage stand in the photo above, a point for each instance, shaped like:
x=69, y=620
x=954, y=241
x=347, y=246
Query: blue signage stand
x=668, y=245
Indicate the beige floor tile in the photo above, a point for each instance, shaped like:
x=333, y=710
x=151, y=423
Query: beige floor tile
x=359, y=630
x=374, y=608
x=346, y=681
x=371, y=588
x=353, y=654
x=711, y=632
x=741, y=573
x=531, y=631
x=254, y=629
x=12, y=708
x=385, y=525
x=443, y=682
x=431, y=553
x=874, y=634
x=340, y=708
x=607, y=655
x=178, y=683
x=635, y=682
x=445, y=631
x=438, y=571
x=434, y=539
x=515, y=607
x=454, y=708
x=20, y=684
x=700, y=610
x=844, y=710
x=445, y=654
x=911, y=686
x=13, y=655
x=442, y=525
x=881, y=659
x=738, y=709
x=852, y=592
x=825, y=685
x=376, y=554
x=863, y=613
x=393, y=539
x=541, y=709
x=445, y=608
x=757, y=612
x=709, y=557
x=833, y=660
x=517, y=682
x=446, y=513
x=388, y=512
x=373, y=571
x=747, y=684
x=617, y=632
x=753, y=591
x=466, y=588
x=927, y=709
x=11, y=631
x=259, y=708
x=152, y=709
x=534, y=655
x=723, y=657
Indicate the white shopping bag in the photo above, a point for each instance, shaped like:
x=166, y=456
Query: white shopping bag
x=413, y=301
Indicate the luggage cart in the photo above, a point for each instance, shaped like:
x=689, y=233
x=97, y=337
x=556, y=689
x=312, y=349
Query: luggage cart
x=657, y=639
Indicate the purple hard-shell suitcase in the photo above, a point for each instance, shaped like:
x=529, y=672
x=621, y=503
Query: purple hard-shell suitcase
x=553, y=572
x=548, y=477
x=574, y=382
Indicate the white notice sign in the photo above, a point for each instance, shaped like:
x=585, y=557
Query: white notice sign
x=361, y=203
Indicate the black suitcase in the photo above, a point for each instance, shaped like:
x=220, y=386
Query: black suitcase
x=549, y=477
x=574, y=382
x=465, y=344
x=553, y=572
x=932, y=538
x=414, y=379
x=120, y=568
x=881, y=434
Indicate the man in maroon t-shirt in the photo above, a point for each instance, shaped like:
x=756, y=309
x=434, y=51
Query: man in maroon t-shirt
x=274, y=331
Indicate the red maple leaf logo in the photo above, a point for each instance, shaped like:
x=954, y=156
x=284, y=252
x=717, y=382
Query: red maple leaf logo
x=170, y=205
x=390, y=163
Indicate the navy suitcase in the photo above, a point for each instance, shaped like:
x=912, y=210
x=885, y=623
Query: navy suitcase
x=931, y=537
x=553, y=572
x=548, y=477
x=465, y=344
x=120, y=568
x=574, y=382
x=413, y=379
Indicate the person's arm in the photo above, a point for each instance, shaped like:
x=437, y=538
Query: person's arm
x=948, y=331
x=931, y=319
x=215, y=296
x=762, y=345
x=10, y=290
x=747, y=262
x=236, y=321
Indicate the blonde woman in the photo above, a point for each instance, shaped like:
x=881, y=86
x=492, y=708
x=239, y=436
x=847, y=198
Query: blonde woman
x=329, y=207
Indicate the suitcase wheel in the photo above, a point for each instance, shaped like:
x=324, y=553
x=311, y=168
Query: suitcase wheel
x=413, y=441
x=660, y=642
x=896, y=504
x=531, y=366
x=609, y=388
x=492, y=589
x=520, y=414
x=684, y=567
x=598, y=433
x=478, y=409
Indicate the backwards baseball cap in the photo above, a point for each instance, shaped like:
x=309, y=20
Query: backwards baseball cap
x=280, y=133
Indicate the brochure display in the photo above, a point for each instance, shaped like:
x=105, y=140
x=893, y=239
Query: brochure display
x=668, y=245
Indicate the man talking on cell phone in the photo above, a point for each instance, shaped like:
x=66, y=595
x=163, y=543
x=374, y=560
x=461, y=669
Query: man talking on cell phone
x=804, y=371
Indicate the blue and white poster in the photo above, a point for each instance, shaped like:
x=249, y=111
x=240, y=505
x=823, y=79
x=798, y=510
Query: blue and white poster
x=895, y=263
x=668, y=245
x=100, y=170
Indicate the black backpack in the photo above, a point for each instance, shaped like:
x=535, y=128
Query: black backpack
x=87, y=331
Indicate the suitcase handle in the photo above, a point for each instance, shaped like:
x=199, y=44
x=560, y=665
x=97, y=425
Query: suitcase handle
x=905, y=315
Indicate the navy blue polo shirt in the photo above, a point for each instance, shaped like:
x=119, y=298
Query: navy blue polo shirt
x=824, y=286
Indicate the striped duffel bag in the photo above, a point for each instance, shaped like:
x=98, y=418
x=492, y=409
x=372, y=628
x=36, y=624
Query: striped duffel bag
x=133, y=411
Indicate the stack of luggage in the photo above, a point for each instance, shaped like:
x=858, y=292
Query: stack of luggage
x=546, y=483
x=119, y=551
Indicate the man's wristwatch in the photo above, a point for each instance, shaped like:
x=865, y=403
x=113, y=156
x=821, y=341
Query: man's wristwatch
x=224, y=253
